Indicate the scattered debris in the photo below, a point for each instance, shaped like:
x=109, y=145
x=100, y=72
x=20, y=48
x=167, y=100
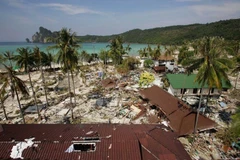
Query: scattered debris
x=18, y=149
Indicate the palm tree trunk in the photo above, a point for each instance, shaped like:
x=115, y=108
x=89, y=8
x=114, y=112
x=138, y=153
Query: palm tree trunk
x=69, y=90
x=4, y=110
x=19, y=105
x=183, y=87
x=236, y=81
x=44, y=85
x=208, y=95
x=198, y=109
x=74, y=93
x=10, y=62
x=34, y=96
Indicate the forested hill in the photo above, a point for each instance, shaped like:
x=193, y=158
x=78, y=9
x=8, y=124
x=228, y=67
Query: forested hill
x=229, y=29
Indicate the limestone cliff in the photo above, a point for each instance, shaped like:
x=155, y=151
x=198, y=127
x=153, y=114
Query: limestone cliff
x=41, y=36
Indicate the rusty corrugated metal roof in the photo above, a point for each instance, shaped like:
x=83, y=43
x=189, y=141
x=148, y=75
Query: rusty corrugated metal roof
x=181, y=117
x=126, y=141
x=188, y=122
x=160, y=98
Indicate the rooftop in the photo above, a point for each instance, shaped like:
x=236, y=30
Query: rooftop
x=181, y=117
x=107, y=141
x=166, y=57
x=179, y=81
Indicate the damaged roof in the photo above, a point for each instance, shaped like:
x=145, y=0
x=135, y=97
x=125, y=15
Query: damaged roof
x=133, y=142
x=166, y=57
x=159, y=68
x=181, y=117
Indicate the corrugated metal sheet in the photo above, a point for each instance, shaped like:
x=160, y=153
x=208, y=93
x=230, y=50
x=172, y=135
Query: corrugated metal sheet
x=188, y=122
x=160, y=98
x=181, y=117
x=169, y=142
x=53, y=140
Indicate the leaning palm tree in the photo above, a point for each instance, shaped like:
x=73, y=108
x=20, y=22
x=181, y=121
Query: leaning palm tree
x=3, y=95
x=25, y=59
x=15, y=84
x=211, y=64
x=66, y=42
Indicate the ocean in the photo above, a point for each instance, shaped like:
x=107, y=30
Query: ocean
x=88, y=47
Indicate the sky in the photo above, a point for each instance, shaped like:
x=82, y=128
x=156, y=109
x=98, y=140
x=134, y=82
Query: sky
x=20, y=19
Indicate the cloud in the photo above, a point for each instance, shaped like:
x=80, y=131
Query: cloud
x=17, y=3
x=188, y=0
x=69, y=9
x=224, y=9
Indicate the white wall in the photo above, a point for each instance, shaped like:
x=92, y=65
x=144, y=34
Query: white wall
x=171, y=90
x=190, y=91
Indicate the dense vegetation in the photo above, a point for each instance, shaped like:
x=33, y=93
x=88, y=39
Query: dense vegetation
x=228, y=29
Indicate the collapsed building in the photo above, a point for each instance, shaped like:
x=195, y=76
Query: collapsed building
x=180, y=117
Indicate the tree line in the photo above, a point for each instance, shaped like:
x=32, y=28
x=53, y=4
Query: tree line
x=174, y=35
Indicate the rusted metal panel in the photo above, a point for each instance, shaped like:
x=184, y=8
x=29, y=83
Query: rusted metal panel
x=116, y=141
x=181, y=116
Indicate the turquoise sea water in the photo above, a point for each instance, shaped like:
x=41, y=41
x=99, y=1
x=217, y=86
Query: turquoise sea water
x=89, y=47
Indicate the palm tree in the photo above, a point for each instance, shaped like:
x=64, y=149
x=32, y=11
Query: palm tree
x=116, y=50
x=8, y=56
x=40, y=55
x=49, y=60
x=149, y=49
x=25, y=59
x=128, y=49
x=16, y=84
x=143, y=52
x=73, y=65
x=84, y=56
x=169, y=51
x=211, y=64
x=156, y=52
x=184, y=53
x=66, y=42
x=103, y=55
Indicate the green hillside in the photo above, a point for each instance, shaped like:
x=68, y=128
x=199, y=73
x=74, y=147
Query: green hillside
x=229, y=29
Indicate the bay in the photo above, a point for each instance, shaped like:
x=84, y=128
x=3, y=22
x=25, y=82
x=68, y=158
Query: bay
x=88, y=47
